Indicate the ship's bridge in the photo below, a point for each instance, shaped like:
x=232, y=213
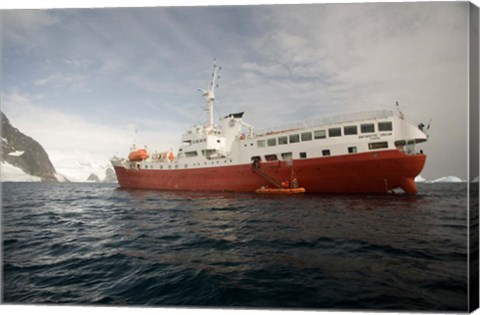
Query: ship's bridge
x=203, y=140
x=210, y=137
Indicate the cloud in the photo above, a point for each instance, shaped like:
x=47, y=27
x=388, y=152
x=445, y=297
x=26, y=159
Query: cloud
x=62, y=132
x=60, y=81
x=25, y=27
x=22, y=22
x=108, y=68
x=321, y=59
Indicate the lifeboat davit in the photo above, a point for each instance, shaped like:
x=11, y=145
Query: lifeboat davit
x=138, y=155
x=280, y=191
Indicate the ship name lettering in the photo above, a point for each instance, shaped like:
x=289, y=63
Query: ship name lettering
x=371, y=136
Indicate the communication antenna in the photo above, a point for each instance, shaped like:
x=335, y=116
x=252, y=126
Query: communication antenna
x=400, y=114
x=134, y=146
x=428, y=127
x=209, y=94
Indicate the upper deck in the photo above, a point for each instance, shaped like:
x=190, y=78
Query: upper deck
x=328, y=120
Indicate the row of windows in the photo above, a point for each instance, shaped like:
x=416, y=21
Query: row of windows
x=303, y=155
x=210, y=132
x=287, y=155
x=191, y=154
x=322, y=134
x=200, y=141
x=185, y=166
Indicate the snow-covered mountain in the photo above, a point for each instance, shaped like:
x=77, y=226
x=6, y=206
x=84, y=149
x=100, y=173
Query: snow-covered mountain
x=71, y=167
x=11, y=173
x=81, y=166
x=23, y=158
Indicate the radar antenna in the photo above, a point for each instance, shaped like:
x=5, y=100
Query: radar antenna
x=209, y=94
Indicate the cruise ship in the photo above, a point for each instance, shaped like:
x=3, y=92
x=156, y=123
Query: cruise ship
x=366, y=152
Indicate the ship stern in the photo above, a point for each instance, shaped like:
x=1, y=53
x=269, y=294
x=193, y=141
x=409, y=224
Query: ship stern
x=413, y=166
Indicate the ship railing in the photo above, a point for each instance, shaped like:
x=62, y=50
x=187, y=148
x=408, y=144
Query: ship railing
x=328, y=120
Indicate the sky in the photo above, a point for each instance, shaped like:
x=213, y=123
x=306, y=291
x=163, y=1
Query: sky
x=82, y=81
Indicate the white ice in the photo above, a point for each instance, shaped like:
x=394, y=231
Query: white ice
x=16, y=153
x=10, y=173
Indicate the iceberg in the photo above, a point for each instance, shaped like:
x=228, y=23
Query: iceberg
x=447, y=179
x=419, y=179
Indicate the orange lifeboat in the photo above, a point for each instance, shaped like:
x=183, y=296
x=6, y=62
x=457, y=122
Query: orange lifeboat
x=280, y=191
x=138, y=155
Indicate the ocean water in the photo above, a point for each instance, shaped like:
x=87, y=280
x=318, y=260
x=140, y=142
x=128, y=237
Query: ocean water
x=98, y=244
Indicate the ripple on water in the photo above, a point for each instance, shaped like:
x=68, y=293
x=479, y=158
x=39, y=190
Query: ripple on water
x=97, y=244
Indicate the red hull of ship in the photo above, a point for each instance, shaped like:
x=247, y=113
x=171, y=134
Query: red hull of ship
x=377, y=172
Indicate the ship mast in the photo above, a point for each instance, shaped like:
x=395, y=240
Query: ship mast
x=209, y=94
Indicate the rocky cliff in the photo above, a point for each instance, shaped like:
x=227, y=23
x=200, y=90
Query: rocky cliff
x=25, y=153
x=109, y=177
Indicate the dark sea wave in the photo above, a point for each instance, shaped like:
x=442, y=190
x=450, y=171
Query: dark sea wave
x=97, y=244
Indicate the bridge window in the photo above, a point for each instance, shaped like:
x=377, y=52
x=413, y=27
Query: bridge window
x=294, y=138
x=282, y=140
x=271, y=157
x=352, y=149
x=272, y=142
x=325, y=152
x=306, y=136
x=334, y=132
x=367, y=128
x=191, y=154
x=378, y=145
x=261, y=143
x=319, y=134
x=385, y=126
x=350, y=130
